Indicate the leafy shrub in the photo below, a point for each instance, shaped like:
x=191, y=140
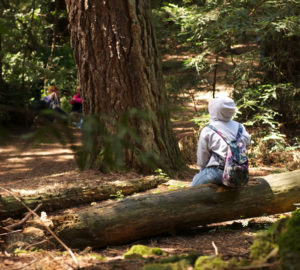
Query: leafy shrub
x=281, y=240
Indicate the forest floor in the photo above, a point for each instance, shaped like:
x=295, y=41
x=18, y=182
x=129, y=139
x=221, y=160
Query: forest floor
x=52, y=167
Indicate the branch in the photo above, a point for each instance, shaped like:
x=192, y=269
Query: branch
x=215, y=247
x=46, y=227
x=18, y=224
x=10, y=232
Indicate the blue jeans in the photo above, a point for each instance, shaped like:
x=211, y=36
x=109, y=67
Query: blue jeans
x=208, y=175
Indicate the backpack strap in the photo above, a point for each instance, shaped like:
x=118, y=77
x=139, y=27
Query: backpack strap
x=240, y=132
x=219, y=133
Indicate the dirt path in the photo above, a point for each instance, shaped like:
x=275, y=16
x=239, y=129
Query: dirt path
x=45, y=167
x=52, y=166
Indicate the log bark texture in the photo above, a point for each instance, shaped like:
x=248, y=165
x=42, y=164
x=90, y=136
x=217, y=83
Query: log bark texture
x=149, y=215
x=64, y=198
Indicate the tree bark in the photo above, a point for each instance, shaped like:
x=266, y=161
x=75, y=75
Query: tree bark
x=119, y=69
x=149, y=215
x=10, y=207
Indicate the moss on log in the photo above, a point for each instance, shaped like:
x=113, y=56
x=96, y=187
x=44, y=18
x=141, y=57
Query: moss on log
x=64, y=198
x=149, y=215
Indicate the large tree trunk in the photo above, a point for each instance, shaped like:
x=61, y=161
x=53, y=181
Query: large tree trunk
x=144, y=216
x=70, y=197
x=119, y=69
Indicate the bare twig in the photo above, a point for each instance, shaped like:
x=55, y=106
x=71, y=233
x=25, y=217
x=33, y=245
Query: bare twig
x=272, y=254
x=10, y=232
x=46, y=227
x=21, y=222
x=215, y=247
x=37, y=243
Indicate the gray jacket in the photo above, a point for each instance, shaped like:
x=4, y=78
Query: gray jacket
x=221, y=111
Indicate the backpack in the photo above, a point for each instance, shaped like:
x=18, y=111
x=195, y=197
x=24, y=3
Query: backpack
x=236, y=168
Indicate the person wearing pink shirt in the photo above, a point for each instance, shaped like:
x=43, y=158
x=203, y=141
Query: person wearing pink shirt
x=76, y=102
x=76, y=110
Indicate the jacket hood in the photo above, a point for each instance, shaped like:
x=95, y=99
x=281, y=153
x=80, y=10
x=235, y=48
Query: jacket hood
x=221, y=109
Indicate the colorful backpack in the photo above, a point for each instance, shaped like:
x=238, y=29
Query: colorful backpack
x=236, y=169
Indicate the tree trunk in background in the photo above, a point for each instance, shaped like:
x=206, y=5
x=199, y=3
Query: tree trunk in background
x=149, y=215
x=119, y=69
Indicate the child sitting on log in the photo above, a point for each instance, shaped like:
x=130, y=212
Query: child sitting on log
x=215, y=139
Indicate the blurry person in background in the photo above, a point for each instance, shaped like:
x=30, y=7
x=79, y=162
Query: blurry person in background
x=76, y=102
x=76, y=111
x=52, y=100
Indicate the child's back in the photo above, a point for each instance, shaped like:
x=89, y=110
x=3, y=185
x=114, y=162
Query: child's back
x=221, y=111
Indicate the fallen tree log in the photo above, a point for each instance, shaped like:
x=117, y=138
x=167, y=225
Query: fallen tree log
x=70, y=197
x=149, y=215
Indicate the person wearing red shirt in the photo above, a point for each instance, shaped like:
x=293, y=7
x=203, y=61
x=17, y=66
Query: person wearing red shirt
x=76, y=102
x=76, y=110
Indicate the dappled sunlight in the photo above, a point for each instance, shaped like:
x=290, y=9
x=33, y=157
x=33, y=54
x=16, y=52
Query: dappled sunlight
x=13, y=169
x=201, y=98
x=47, y=168
x=24, y=191
x=8, y=149
x=36, y=165
x=14, y=165
x=18, y=159
x=249, y=233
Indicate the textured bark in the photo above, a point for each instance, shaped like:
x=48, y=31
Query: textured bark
x=10, y=207
x=148, y=215
x=119, y=69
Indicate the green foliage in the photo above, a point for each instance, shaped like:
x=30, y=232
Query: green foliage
x=261, y=249
x=258, y=39
x=181, y=88
x=289, y=244
x=141, y=252
x=65, y=104
x=282, y=235
x=219, y=26
x=176, y=262
x=35, y=52
x=95, y=134
x=264, y=107
x=114, y=139
x=256, y=107
x=180, y=265
x=189, y=258
x=210, y=263
x=162, y=174
x=201, y=118
x=118, y=196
